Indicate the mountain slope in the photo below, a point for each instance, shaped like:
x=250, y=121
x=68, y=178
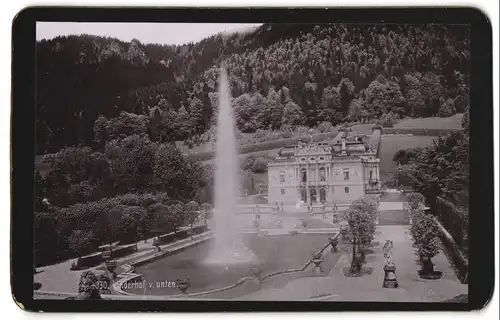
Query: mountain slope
x=279, y=74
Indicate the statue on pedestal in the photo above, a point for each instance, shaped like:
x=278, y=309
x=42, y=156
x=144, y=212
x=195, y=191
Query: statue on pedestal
x=390, y=279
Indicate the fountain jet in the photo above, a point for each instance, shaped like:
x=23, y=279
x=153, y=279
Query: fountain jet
x=228, y=247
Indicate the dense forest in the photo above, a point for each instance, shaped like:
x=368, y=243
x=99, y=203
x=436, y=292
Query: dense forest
x=89, y=88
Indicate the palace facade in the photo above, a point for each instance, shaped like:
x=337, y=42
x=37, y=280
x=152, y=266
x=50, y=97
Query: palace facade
x=338, y=171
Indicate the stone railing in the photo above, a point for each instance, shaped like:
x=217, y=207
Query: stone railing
x=130, y=275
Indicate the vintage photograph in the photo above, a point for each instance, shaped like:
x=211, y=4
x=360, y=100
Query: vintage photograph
x=252, y=162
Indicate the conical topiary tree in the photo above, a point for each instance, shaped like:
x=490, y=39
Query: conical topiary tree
x=360, y=216
x=425, y=235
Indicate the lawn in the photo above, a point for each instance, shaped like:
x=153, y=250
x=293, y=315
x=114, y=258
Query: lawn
x=390, y=145
x=393, y=217
x=453, y=122
x=363, y=128
x=246, y=138
x=270, y=152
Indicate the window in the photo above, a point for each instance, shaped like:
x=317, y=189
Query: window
x=322, y=195
x=312, y=159
x=346, y=174
x=303, y=195
x=282, y=192
x=321, y=158
x=303, y=174
x=371, y=174
x=303, y=159
x=282, y=177
x=313, y=195
x=346, y=189
x=322, y=174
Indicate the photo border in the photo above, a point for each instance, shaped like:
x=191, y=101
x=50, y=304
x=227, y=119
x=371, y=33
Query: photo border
x=481, y=239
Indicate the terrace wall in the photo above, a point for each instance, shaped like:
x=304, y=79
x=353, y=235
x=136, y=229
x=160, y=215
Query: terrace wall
x=268, y=145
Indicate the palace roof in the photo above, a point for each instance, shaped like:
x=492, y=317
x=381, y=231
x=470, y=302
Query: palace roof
x=354, y=145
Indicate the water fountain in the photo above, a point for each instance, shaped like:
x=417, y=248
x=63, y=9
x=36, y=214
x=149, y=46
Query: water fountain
x=228, y=247
x=227, y=258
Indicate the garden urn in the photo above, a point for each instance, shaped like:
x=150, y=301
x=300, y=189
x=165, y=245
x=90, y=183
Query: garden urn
x=111, y=266
x=316, y=260
x=333, y=242
x=183, y=284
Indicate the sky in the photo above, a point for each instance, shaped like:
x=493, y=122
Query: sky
x=161, y=33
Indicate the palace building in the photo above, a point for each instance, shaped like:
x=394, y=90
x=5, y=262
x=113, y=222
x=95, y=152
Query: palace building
x=338, y=171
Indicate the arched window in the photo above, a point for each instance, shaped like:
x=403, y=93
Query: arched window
x=303, y=195
x=322, y=174
x=322, y=195
x=313, y=195
x=303, y=175
x=321, y=158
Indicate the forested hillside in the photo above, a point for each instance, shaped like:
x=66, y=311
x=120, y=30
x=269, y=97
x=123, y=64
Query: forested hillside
x=92, y=89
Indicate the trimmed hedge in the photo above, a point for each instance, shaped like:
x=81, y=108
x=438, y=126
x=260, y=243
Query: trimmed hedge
x=419, y=132
x=455, y=220
x=453, y=253
x=88, y=261
x=199, y=229
x=123, y=251
x=96, y=258
x=171, y=237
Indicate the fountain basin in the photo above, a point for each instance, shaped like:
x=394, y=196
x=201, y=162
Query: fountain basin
x=272, y=255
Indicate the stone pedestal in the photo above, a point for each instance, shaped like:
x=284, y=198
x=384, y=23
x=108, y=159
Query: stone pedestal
x=257, y=271
x=317, y=270
x=390, y=279
x=256, y=222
